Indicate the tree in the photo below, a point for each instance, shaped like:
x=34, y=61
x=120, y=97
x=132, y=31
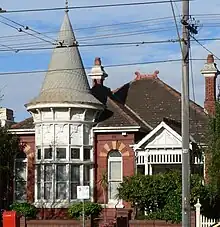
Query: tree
x=212, y=160
x=159, y=195
x=104, y=184
x=9, y=147
x=213, y=152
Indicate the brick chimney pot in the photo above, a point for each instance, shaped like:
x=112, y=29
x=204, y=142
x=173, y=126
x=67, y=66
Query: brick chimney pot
x=210, y=59
x=98, y=61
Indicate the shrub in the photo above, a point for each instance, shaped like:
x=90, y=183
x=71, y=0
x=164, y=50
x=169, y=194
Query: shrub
x=26, y=209
x=159, y=196
x=91, y=209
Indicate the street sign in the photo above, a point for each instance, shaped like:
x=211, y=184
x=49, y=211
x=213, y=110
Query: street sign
x=83, y=192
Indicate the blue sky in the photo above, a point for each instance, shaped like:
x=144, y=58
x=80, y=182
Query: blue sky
x=19, y=89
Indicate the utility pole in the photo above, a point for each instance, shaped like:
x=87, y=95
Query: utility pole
x=188, y=28
x=185, y=116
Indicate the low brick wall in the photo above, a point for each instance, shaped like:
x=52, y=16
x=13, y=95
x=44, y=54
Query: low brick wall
x=55, y=223
x=148, y=223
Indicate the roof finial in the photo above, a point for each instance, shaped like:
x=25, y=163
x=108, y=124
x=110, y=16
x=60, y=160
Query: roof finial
x=67, y=6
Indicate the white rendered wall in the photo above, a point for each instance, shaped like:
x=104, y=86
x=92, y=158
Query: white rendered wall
x=67, y=128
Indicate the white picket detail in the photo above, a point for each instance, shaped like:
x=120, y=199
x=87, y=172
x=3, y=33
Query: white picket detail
x=201, y=220
x=207, y=222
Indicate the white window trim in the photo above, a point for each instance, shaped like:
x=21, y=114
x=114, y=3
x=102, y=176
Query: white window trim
x=112, y=203
x=57, y=202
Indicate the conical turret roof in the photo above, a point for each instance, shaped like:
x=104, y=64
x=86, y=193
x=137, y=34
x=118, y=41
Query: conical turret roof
x=65, y=80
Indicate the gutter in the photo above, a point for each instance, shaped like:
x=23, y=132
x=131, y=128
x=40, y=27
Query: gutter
x=22, y=131
x=117, y=129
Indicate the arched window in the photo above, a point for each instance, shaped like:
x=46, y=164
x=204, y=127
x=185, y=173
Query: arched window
x=115, y=174
x=20, y=180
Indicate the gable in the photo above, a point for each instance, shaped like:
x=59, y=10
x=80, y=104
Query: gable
x=163, y=138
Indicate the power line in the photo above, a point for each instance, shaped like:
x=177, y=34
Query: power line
x=204, y=47
x=177, y=29
x=107, y=36
x=92, y=6
x=98, y=45
x=107, y=66
x=21, y=30
x=9, y=48
x=25, y=27
x=94, y=27
x=135, y=43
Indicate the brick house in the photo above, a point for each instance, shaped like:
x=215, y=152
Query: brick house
x=77, y=133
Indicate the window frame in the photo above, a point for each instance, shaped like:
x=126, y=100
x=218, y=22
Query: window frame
x=114, y=159
x=39, y=201
x=74, y=159
x=43, y=154
x=61, y=159
x=21, y=160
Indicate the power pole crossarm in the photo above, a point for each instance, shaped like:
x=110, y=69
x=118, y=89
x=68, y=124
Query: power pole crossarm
x=185, y=118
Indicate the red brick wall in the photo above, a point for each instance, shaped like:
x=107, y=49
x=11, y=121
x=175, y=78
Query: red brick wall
x=159, y=223
x=55, y=223
x=29, y=149
x=210, y=94
x=104, y=144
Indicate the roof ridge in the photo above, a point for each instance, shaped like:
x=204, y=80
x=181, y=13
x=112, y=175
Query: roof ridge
x=136, y=115
x=172, y=90
x=123, y=112
x=129, y=109
x=18, y=124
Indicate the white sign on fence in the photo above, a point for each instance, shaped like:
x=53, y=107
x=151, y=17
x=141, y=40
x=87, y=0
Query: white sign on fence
x=83, y=192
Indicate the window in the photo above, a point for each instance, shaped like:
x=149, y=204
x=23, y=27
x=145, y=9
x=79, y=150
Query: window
x=61, y=181
x=75, y=180
x=39, y=181
x=48, y=174
x=114, y=173
x=48, y=153
x=86, y=154
x=61, y=153
x=58, y=173
x=141, y=169
x=20, y=177
x=38, y=153
x=86, y=177
x=75, y=153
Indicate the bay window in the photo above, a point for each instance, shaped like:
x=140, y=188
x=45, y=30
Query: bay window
x=59, y=171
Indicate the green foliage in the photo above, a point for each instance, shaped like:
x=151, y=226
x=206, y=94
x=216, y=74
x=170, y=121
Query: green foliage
x=91, y=209
x=213, y=153
x=26, y=209
x=9, y=147
x=158, y=195
x=211, y=202
x=104, y=181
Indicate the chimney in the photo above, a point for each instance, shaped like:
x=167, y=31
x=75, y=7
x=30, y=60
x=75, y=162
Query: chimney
x=98, y=73
x=6, y=116
x=140, y=76
x=210, y=72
